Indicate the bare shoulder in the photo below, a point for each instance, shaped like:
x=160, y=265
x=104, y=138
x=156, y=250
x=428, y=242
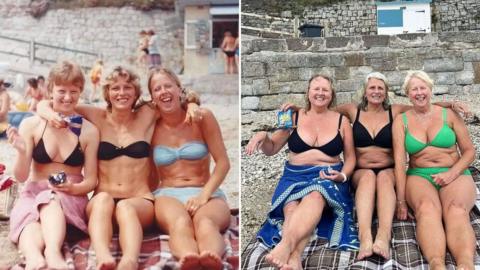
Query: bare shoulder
x=89, y=130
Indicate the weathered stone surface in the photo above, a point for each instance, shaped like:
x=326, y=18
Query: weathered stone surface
x=476, y=71
x=337, y=60
x=464, y=77
x=247, y=89
x=273, y=102
x=459, y=37
x=440, y=89
x=471, y=55
x=275, y=45
x=306, y=73
x=375, y=41
x=253, y=69
x=395, y=78
x=354, y=59
x=288, y=87
x=260, y=86
x=350, y=85
x=446, y=64
x=246, y=47
x=342, y=73
x=283, y=74
x=299, y=44
x=307, y=60
x=445, y=78
x=338, y=42
x=250, y=103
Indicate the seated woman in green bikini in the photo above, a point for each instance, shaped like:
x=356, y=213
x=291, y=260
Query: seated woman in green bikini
x=437, y=185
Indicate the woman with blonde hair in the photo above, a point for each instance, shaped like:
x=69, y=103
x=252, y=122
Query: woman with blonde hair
x=189, y=205
x=437, y=185
x=313, y=194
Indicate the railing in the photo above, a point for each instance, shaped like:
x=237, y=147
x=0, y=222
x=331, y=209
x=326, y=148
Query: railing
x=29, y=49
x=295, y=23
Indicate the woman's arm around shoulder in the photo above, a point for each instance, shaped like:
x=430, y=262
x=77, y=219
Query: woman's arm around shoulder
x=399, y=155
x=348, y=147
x=89, y=138
x=347, y=109
x=93, y=114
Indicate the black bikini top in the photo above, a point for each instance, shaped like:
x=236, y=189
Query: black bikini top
x=108, y=151
x=333, y=148
x=40, y=155
x=362, y=138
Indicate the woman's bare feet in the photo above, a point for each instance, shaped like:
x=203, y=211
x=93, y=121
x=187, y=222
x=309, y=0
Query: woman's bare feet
x=278, y=257
x=190, y=262
x=127, y=264
x=382, y=245
x=465, y=266
x=35, y=263
x=106, y=262
x=365, y=248
x=210, y=261
x=294, y=262
x=55, y=259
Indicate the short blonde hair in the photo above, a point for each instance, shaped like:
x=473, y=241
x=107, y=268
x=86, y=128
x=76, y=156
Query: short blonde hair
x=66, y=72
x=113, y=76
x=332, y=103
x=419, y=74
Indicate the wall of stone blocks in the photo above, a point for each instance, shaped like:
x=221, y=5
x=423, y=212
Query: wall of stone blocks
x=277, y=70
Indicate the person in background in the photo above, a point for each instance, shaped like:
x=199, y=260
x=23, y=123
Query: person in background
x=34, y=93
x=4, y=108
x=95, y=76
x=42, y=86
x=228, y=47
x=38, y=221
x=437, y=185
x=154, y=58
x=142, y=50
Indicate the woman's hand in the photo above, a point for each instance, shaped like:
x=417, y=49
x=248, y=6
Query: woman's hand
x=402, y=210
x=286, y=106
x=194, y=203
x=255, y=142
x=193, y=113
x=461, y=108
x=57, y=121
x=16, y=140
x=333, y=175
x=444, y=178
x=66, y=187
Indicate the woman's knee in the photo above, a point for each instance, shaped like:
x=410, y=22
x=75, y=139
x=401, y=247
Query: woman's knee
x=102, y=200
x=315, y=196
x=455, y=209
x=126, y=210
x=204, y=225
x=427, y=207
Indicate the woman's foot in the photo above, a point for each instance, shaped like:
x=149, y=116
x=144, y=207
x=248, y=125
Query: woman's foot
x=209, y=260
x=190, y=262
x=365, y=248
x=278, y=257
x=106, y=262
x=294, y=263
x=55, y=259
x=35, y=263
x=382, y=245
x=127, y=264
x=465, y=265
x=437, y=264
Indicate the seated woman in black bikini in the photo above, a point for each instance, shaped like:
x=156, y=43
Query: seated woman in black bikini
x=123, y=191
x=313, y=194
x=38, y=220
x=373, y=176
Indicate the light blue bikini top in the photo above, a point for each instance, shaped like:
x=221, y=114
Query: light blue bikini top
x=164, y=155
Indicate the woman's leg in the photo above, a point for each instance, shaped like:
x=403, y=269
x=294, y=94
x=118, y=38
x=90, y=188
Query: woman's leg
x=132, y=216
x=31, y=245
x=295, y=260
x=424, y=199
x=365, y=181
x=209, y=221
x=173, y=219
x=458, y=199
x=303, y=220
x=386, y=200
x=100, y=212
x=52, y=221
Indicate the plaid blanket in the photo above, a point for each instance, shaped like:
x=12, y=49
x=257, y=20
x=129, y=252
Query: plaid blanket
x=154, y=254
x=405, y=252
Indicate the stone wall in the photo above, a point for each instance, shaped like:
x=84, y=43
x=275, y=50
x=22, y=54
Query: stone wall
x=110, y=32
x=277, y=70
x=351, y=17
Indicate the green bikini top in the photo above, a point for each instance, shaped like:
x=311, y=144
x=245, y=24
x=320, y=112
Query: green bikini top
x=445, y=137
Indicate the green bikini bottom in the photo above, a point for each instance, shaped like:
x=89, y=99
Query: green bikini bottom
x=427, y=173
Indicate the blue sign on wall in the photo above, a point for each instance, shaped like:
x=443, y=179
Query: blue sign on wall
x=390, y=18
